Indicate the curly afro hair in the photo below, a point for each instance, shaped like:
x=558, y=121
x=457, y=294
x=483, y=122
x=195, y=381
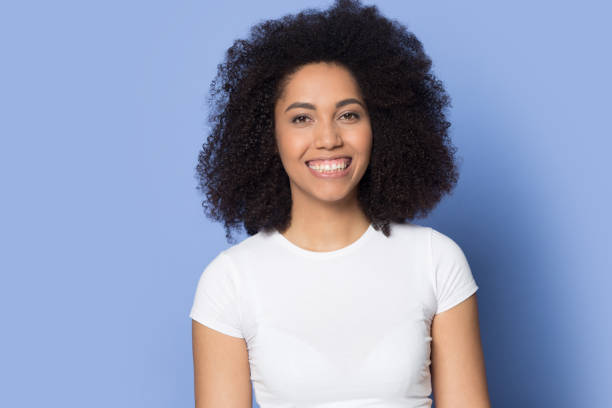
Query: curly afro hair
x=412, y=162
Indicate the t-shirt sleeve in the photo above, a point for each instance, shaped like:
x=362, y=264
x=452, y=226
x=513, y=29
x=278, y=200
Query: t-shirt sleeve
x=453, y=279
x=216, y=300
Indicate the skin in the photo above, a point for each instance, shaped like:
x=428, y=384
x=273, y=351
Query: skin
x=325, y=217
x=457, y=362
x=222, y=376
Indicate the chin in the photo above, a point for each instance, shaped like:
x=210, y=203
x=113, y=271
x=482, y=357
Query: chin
x=331, y=196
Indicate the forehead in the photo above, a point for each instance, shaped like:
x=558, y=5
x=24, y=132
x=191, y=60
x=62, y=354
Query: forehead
x=320, y=80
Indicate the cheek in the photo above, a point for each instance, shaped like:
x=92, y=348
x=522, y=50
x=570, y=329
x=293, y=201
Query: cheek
x=363, y=142
x=290, y=148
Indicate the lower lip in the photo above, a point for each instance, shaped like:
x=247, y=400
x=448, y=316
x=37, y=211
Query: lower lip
x=332, y=174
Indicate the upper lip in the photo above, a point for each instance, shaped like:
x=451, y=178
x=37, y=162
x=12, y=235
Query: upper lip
x=330, y=158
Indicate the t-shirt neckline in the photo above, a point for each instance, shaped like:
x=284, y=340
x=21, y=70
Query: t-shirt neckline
x=325, y=254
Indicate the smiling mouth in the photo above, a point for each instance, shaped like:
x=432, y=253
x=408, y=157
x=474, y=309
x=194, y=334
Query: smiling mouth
x=330, y=166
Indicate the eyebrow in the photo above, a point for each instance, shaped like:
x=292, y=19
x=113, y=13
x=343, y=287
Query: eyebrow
x=311, y=106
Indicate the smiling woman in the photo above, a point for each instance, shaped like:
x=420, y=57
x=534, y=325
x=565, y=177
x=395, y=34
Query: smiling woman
x=332, y=142
x=329, y=138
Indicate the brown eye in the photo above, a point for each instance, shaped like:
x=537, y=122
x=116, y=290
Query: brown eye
x=355, y=115
x=298, y=118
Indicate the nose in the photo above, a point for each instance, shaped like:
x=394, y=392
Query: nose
x=327, y=136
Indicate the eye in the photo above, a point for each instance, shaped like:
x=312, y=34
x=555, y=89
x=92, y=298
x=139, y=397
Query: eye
x=299, y=119
x=355, y=115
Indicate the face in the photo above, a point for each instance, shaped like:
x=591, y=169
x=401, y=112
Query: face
x=321, y=115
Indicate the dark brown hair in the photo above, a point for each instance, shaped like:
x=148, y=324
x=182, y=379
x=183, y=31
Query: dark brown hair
x=412, y=163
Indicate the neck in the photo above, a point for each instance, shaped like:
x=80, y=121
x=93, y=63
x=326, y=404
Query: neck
x=326, y=226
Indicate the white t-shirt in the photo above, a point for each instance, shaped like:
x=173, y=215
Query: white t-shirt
x=345, y=328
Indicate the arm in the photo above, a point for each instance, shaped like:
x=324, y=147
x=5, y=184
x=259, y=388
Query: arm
x=457, y=368
x=221, y=369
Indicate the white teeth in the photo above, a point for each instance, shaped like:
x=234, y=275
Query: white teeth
x=327, y=167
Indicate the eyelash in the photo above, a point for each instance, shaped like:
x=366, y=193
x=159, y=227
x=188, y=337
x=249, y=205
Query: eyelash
x=356, y=115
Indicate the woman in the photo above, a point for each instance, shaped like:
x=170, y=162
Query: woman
x=329, y=136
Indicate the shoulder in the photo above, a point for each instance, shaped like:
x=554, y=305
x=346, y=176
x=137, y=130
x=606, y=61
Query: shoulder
x=255, y=251
x=443, y=246
x=409, y=238
x=408, y=231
